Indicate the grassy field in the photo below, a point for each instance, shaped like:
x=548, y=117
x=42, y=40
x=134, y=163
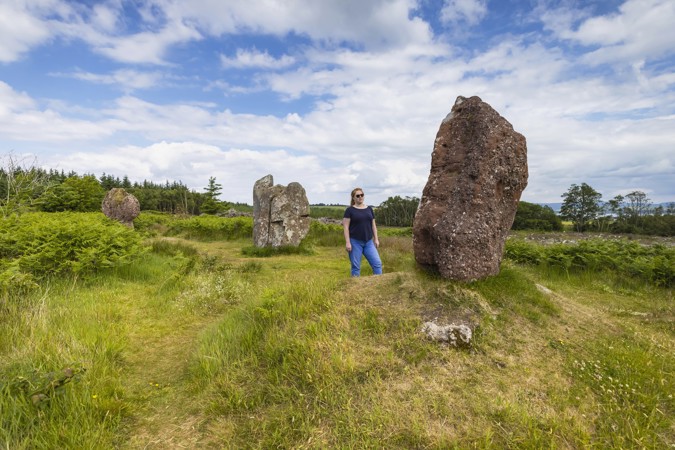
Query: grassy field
x=196, y=345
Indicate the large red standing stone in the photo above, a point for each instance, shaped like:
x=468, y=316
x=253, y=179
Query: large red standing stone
x=478, y=171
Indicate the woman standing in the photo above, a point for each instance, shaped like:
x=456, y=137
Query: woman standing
x=361, y=234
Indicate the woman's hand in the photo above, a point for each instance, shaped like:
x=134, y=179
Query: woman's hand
x=376, y=241
x=349, y=246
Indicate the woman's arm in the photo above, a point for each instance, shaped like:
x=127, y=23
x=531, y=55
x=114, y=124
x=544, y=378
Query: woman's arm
x=345, y=224
x=376, y=241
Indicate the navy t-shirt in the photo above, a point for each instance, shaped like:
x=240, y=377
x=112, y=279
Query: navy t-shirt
x=360, y=222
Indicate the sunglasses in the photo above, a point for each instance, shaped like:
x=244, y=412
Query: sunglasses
x=359, y=195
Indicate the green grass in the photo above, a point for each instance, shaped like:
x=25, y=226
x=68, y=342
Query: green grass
x=197, y=345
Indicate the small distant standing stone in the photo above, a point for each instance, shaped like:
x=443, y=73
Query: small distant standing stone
x=280, y=213
x=122, y=206
x=478, y=171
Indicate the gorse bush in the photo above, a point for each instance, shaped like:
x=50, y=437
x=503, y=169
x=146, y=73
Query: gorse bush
x=209, y=228
x=37, y=245
x=655, y=263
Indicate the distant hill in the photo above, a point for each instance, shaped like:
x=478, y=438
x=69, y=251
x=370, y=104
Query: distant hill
x=556, y=206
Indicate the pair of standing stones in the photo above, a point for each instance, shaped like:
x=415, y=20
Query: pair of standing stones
x=478, y=172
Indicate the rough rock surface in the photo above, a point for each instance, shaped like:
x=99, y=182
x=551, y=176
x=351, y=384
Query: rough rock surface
x=478, y=171
x=122, y=206
x=457, y=335
x=280, y=213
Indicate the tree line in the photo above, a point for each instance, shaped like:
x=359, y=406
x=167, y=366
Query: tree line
x=25, y=187
x=630, y=213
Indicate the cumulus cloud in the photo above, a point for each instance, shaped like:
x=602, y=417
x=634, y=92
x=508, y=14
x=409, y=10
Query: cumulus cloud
x=373, y=24
x=23, y=119
x=193, y=163
x=257, y=59
x=20, y=30
x=146, y=47
x=469, y=11
x=638, y=30
x=125, y=79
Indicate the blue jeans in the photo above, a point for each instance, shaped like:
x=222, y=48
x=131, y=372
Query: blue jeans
x=367, y=249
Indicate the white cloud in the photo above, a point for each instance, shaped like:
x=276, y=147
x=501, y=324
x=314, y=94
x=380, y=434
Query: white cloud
x=257, y=59
x=125, y=79
x=193, y=163
x=22, y=119
x=106, y=16
x=146, y=47
x=641, y=29
x=19, y=31
x=469, y=11
x=373, y=23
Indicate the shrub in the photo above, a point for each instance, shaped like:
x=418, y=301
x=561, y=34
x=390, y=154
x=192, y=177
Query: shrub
x=81, y=194
x=530, y=216
x=37, y=245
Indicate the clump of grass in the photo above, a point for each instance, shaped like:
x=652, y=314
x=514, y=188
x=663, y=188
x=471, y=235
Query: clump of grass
x=209, y=293
x=631, y=389
x=173, y=248
x=396, y=254
x=250, y=267
x=511, y=291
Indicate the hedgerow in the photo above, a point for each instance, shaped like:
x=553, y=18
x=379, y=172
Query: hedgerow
x=38, y=245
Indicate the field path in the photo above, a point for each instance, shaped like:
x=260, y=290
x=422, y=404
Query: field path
x=166, y=415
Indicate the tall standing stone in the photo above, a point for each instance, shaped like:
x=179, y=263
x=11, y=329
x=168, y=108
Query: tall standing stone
x=478, y=171
x=280, y=213
x=122, y=206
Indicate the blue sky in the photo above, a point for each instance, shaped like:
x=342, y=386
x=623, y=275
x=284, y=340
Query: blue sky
x=337, y=94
